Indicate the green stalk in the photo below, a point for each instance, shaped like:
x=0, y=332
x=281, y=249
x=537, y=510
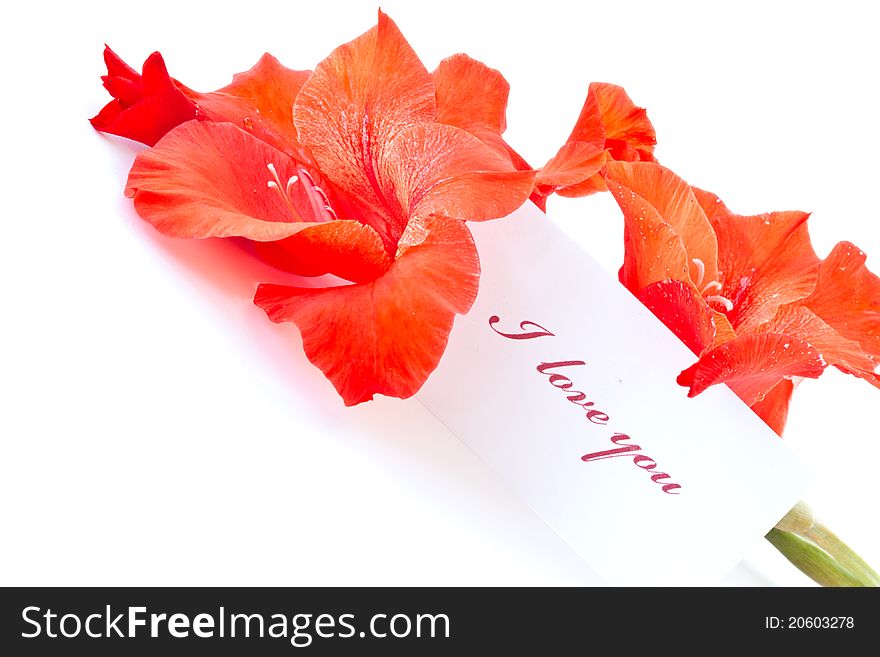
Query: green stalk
x=843, y=554
x=818, y=553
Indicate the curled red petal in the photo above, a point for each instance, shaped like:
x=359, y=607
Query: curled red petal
x=610, y=124
x=752, y=365
x=573, y=165
x=629, y=134
x=386, y=336
x=591, y=185
x=346, y=249
x=644, y=187
x=773, y=409
x=653, y=251
x=663, y=235
x=847, y=297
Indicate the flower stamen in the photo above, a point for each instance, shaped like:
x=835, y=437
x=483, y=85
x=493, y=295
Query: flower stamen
x=319, y=203
x=724, y=301
x=283, y=192
x=701, y=270
x=710, y=287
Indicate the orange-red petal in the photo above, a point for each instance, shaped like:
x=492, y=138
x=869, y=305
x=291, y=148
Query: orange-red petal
x=666, y=230
x=628, y=132
x=752, y=365
x=211, y=180
x=650, y=186
x=347, y=249
x=609, y=124
x=591, y=185
x=573, y=165
x=766, y=260
x=653, y=251
x=773, y=409
x=386, y=336
x=352, y=107
x=470, y=94
x=847, y=297
x=260, y=101
x=800, y=322
x=431, y=168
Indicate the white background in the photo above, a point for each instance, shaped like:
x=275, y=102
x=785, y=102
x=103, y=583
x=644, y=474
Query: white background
x=157, y=429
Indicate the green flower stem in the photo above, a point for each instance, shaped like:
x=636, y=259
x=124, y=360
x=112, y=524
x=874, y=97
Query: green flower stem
x=810, y=559
x=843, y=554
x=818, y=552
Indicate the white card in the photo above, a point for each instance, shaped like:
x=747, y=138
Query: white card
x=649, y=486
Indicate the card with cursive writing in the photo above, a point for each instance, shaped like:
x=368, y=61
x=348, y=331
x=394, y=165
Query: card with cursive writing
x=564, y=383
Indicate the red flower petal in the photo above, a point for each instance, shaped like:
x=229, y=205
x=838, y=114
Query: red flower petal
x=347, y=249
x=767, y=260
x=653, y=252
x=387, y=336
x=800, y=322
x=666, y=230
x=470, y=94
x=773, y=409
x=260, y=101
x=609, y=123
x=210, y=180
x=629, y=133
x=680, y=307
x=752, y=365
x=847, y=297
x=117, y=68
x=672, y=199
x=146, y=106
x=575, y=162
x=352, y=107
x=589, y=186
x=432, y=168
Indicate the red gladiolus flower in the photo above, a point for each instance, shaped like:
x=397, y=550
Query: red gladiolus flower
x=366, y=168
x=747, y=294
